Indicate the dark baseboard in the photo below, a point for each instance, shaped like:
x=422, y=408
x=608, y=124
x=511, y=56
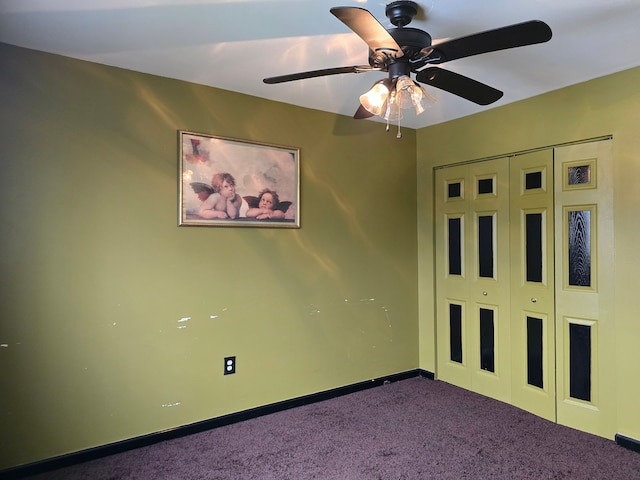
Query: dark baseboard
x=146, y=440
x=628, y=443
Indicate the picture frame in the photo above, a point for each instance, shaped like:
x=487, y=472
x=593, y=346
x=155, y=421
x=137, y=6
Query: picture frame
x=228, y=182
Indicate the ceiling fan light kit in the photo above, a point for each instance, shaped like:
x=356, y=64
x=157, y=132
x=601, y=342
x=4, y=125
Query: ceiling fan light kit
x=402, y=50
x=387, y=98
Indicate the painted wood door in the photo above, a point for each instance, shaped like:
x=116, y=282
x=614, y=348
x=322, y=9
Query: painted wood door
x=472, y=269
x=585, y=318
x=532, y=283
x=524, y=282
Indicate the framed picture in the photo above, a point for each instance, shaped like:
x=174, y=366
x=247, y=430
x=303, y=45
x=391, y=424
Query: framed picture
x=239, y=183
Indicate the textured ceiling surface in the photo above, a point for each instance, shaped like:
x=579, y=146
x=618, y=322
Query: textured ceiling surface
x=234, y=44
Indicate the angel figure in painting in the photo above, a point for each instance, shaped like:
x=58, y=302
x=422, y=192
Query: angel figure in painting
x=266, y=206
x=224, y=202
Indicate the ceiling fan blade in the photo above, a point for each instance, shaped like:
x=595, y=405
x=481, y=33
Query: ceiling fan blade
x=369, y=29
x=460, y=85
x=518, y=35
x=362, y=113
x=319, y=73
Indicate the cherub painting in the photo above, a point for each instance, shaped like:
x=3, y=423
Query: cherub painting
x=227, y=182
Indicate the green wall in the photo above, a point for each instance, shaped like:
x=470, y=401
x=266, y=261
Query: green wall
x=605, y=106
x=115, y=321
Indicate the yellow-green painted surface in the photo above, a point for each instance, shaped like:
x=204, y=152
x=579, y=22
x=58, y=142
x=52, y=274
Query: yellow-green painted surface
x=475, y=291
x=115, y=321
x=591, y=305
x=532, y=299
x=605, y=106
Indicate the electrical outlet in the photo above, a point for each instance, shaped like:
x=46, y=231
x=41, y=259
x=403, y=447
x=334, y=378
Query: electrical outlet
x=229, y=365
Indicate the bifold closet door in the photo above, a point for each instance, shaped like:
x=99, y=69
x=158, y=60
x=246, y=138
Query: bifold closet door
x=472, y=277
x=532, y=284
x=524, y=282
x=584, y=278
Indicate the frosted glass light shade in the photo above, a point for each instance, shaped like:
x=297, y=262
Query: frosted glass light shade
x=375, y=99
x=410, y=94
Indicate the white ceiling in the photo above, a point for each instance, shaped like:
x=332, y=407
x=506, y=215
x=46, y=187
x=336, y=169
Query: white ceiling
x=234, y=44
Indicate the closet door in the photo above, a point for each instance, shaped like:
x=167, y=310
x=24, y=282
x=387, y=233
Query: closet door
x=585, y=316
x=472, y=269
x=532, y=284
x=452, y=260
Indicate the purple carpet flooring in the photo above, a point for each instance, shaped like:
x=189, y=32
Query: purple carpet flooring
x=411, y=429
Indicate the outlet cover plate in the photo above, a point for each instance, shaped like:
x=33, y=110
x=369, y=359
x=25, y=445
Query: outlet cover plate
x=229, y=365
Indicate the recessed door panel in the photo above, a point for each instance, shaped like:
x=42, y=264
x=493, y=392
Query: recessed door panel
x=535, y=352
x=456, y=327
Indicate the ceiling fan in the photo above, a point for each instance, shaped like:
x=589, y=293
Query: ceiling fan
x=402, y=50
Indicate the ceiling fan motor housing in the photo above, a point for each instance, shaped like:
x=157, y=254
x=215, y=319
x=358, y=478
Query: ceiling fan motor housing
x=399, y=68
x=411, y=40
